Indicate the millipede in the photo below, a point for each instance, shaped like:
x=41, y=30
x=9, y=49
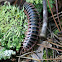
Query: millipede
x=32, y=34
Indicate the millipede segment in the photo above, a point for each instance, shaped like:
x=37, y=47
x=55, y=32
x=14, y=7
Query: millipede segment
x=33, y=26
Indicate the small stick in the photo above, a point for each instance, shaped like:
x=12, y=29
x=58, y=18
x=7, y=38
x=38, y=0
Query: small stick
x=41, y=59
x=53, y=43
x=15, y=2
x=57, y=14
x=50, y=47
x=53, y=16
x=45, y=20
x=28, y=53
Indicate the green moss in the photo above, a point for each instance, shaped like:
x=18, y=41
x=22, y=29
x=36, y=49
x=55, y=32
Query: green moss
x=12, y=32
x=56, y=31
x=50, y=54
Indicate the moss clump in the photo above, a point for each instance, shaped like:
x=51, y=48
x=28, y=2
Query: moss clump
x=13, y=25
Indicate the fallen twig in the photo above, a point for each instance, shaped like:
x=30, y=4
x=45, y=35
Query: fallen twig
x=53, y=43
x=53, y=16
x=28, y=53
x=40, y=59
x=57, y=14
x=50, y=47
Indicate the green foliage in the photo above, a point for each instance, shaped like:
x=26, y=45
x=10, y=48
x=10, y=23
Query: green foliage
x=34, y=1
x=12, y=28
x=44, y=54
x=56, y=31
x=51, y=4
x=50, y=54
x=39, y=4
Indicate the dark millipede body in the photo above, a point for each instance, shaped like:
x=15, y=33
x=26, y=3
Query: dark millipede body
x=33, y=26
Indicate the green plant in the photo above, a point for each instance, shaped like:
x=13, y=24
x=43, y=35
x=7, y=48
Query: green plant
x=34, y=1
x=56, y=31
x=50, y=54
x=12, y=28
x=39, y=4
